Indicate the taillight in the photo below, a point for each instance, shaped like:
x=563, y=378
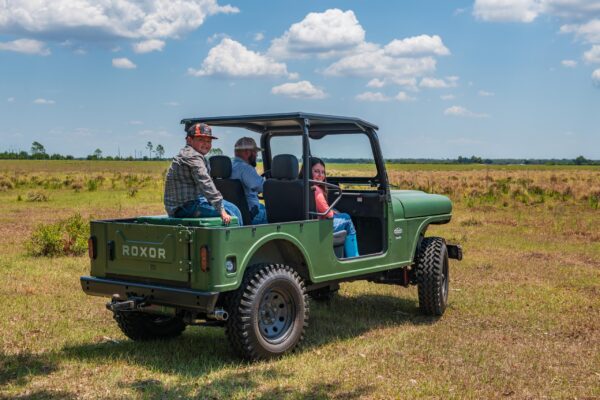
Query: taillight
x=92, y=247
x=204, y=258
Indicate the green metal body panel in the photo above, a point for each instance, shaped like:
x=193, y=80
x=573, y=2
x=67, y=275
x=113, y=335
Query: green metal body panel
x=161, y=249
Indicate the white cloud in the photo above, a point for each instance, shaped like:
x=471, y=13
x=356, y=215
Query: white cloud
x=299, y=90
x=484, y=93
x=215, y=37
x=447, y=97
x=26, y=46
x=232, y=59
x=402, y=96
x=123, y=63
x=589, y=31
x=569, y=63
x=259, y=36
x=458, y=111
x=376, y=83
x=374, y=63
x=129, y=19
x=172, y=104
x=596, y=77
x=136, y=122
x=148, y=46
x=507, y=10
x=43, y=101
x=592, y=55
x=10, y=100
x=433, y=83
x=319, y=33
x=372, y=96
x=417, y=45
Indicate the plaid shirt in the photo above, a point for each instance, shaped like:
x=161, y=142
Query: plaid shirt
x=187, y=179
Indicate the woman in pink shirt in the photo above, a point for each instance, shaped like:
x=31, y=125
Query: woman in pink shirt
x=341, y=221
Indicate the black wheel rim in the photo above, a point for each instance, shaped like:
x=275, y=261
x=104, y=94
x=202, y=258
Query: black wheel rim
x=275, y=315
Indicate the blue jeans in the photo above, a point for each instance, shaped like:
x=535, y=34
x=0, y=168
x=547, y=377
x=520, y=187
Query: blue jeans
x=261, y=215
x=343, y=222
x=202, y=208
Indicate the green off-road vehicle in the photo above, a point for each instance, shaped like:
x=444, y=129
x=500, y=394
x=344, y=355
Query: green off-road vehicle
x=165, y=273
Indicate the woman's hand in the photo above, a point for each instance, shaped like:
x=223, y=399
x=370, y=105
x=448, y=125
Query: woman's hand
x=225, y=217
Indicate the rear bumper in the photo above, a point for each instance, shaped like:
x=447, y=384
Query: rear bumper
x=153, y=294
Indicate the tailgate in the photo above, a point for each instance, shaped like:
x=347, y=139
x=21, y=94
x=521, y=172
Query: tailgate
x=147, y=251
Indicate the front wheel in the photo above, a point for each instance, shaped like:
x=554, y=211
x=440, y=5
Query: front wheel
x=432, y=275
x=268, y=313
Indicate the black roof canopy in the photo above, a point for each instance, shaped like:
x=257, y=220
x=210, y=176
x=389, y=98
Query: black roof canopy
x=286, y=122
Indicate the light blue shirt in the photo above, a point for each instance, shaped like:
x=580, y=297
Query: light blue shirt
x=251, y=181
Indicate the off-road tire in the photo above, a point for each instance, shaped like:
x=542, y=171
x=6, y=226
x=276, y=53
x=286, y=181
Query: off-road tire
x=268, y=314
x=142, y=326
x=431, y=274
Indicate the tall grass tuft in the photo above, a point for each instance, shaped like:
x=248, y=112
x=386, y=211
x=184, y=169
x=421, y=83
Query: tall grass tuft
x=66, y=237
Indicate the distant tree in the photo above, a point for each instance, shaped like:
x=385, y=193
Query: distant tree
x=581, y=160
x=98, y=154
x=38, y=150
x=215, y=151
x=149, y=146
x=160, y=151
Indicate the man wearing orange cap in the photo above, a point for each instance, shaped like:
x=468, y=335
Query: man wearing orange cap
x=189, y=189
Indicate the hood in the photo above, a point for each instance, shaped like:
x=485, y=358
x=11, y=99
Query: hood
x=420, y=204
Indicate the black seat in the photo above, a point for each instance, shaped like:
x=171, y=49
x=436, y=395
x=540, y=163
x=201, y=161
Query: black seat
x=231, y=189
x=284, y=192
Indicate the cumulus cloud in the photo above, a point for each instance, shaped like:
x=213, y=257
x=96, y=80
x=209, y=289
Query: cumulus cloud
x=259, y=36
x=458, y=111
x=93, y=20
x=402, y=96
x=319, y=33
x=26, y=46
x=417, y=45
x=433, y=83
x=596, y=77
x=447, y=97
x=123, y=63
x=44, y=102
x=376, y=83
x=299, y=90
x=592, y=55
x=372, y=96
x=569, y=63
x=484, y=93
x=588, y=31
x=232, y=59
x=507, y=10
x=148, y=46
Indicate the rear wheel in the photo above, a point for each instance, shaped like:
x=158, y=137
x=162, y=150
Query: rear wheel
x=268, y=313
x=432, y=275
x=142, y=326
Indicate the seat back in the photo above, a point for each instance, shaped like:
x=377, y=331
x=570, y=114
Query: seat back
x=231, y=189
x=284, y=192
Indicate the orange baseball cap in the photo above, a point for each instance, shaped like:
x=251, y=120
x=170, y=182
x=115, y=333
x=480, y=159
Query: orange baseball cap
x=200, y=130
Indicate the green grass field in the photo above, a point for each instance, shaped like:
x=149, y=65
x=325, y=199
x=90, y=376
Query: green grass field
x=523, y=319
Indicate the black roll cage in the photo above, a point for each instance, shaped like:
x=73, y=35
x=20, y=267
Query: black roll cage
x=307, y=125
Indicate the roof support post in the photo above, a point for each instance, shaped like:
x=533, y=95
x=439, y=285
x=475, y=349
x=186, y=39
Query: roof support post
x=305, y=166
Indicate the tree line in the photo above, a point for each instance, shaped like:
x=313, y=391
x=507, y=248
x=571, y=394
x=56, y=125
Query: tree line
x=38, y=152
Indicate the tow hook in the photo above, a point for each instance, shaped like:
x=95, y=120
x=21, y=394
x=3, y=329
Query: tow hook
x=455, y=251
x=131, y=304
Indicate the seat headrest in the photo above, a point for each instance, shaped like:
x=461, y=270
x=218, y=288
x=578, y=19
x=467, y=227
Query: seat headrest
x=220, y=167
x=284, y=166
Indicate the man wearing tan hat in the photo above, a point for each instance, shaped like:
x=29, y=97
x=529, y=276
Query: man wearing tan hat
x=243, y=169
x=189, y=189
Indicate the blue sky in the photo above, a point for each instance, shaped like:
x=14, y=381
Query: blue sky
x=494, y=78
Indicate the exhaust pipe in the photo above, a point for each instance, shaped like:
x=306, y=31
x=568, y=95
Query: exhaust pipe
x=219, y=314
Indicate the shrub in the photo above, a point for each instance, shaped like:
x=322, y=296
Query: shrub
x=66, y=237
x=37, y=196
x=132, y=192
x=92, y=185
